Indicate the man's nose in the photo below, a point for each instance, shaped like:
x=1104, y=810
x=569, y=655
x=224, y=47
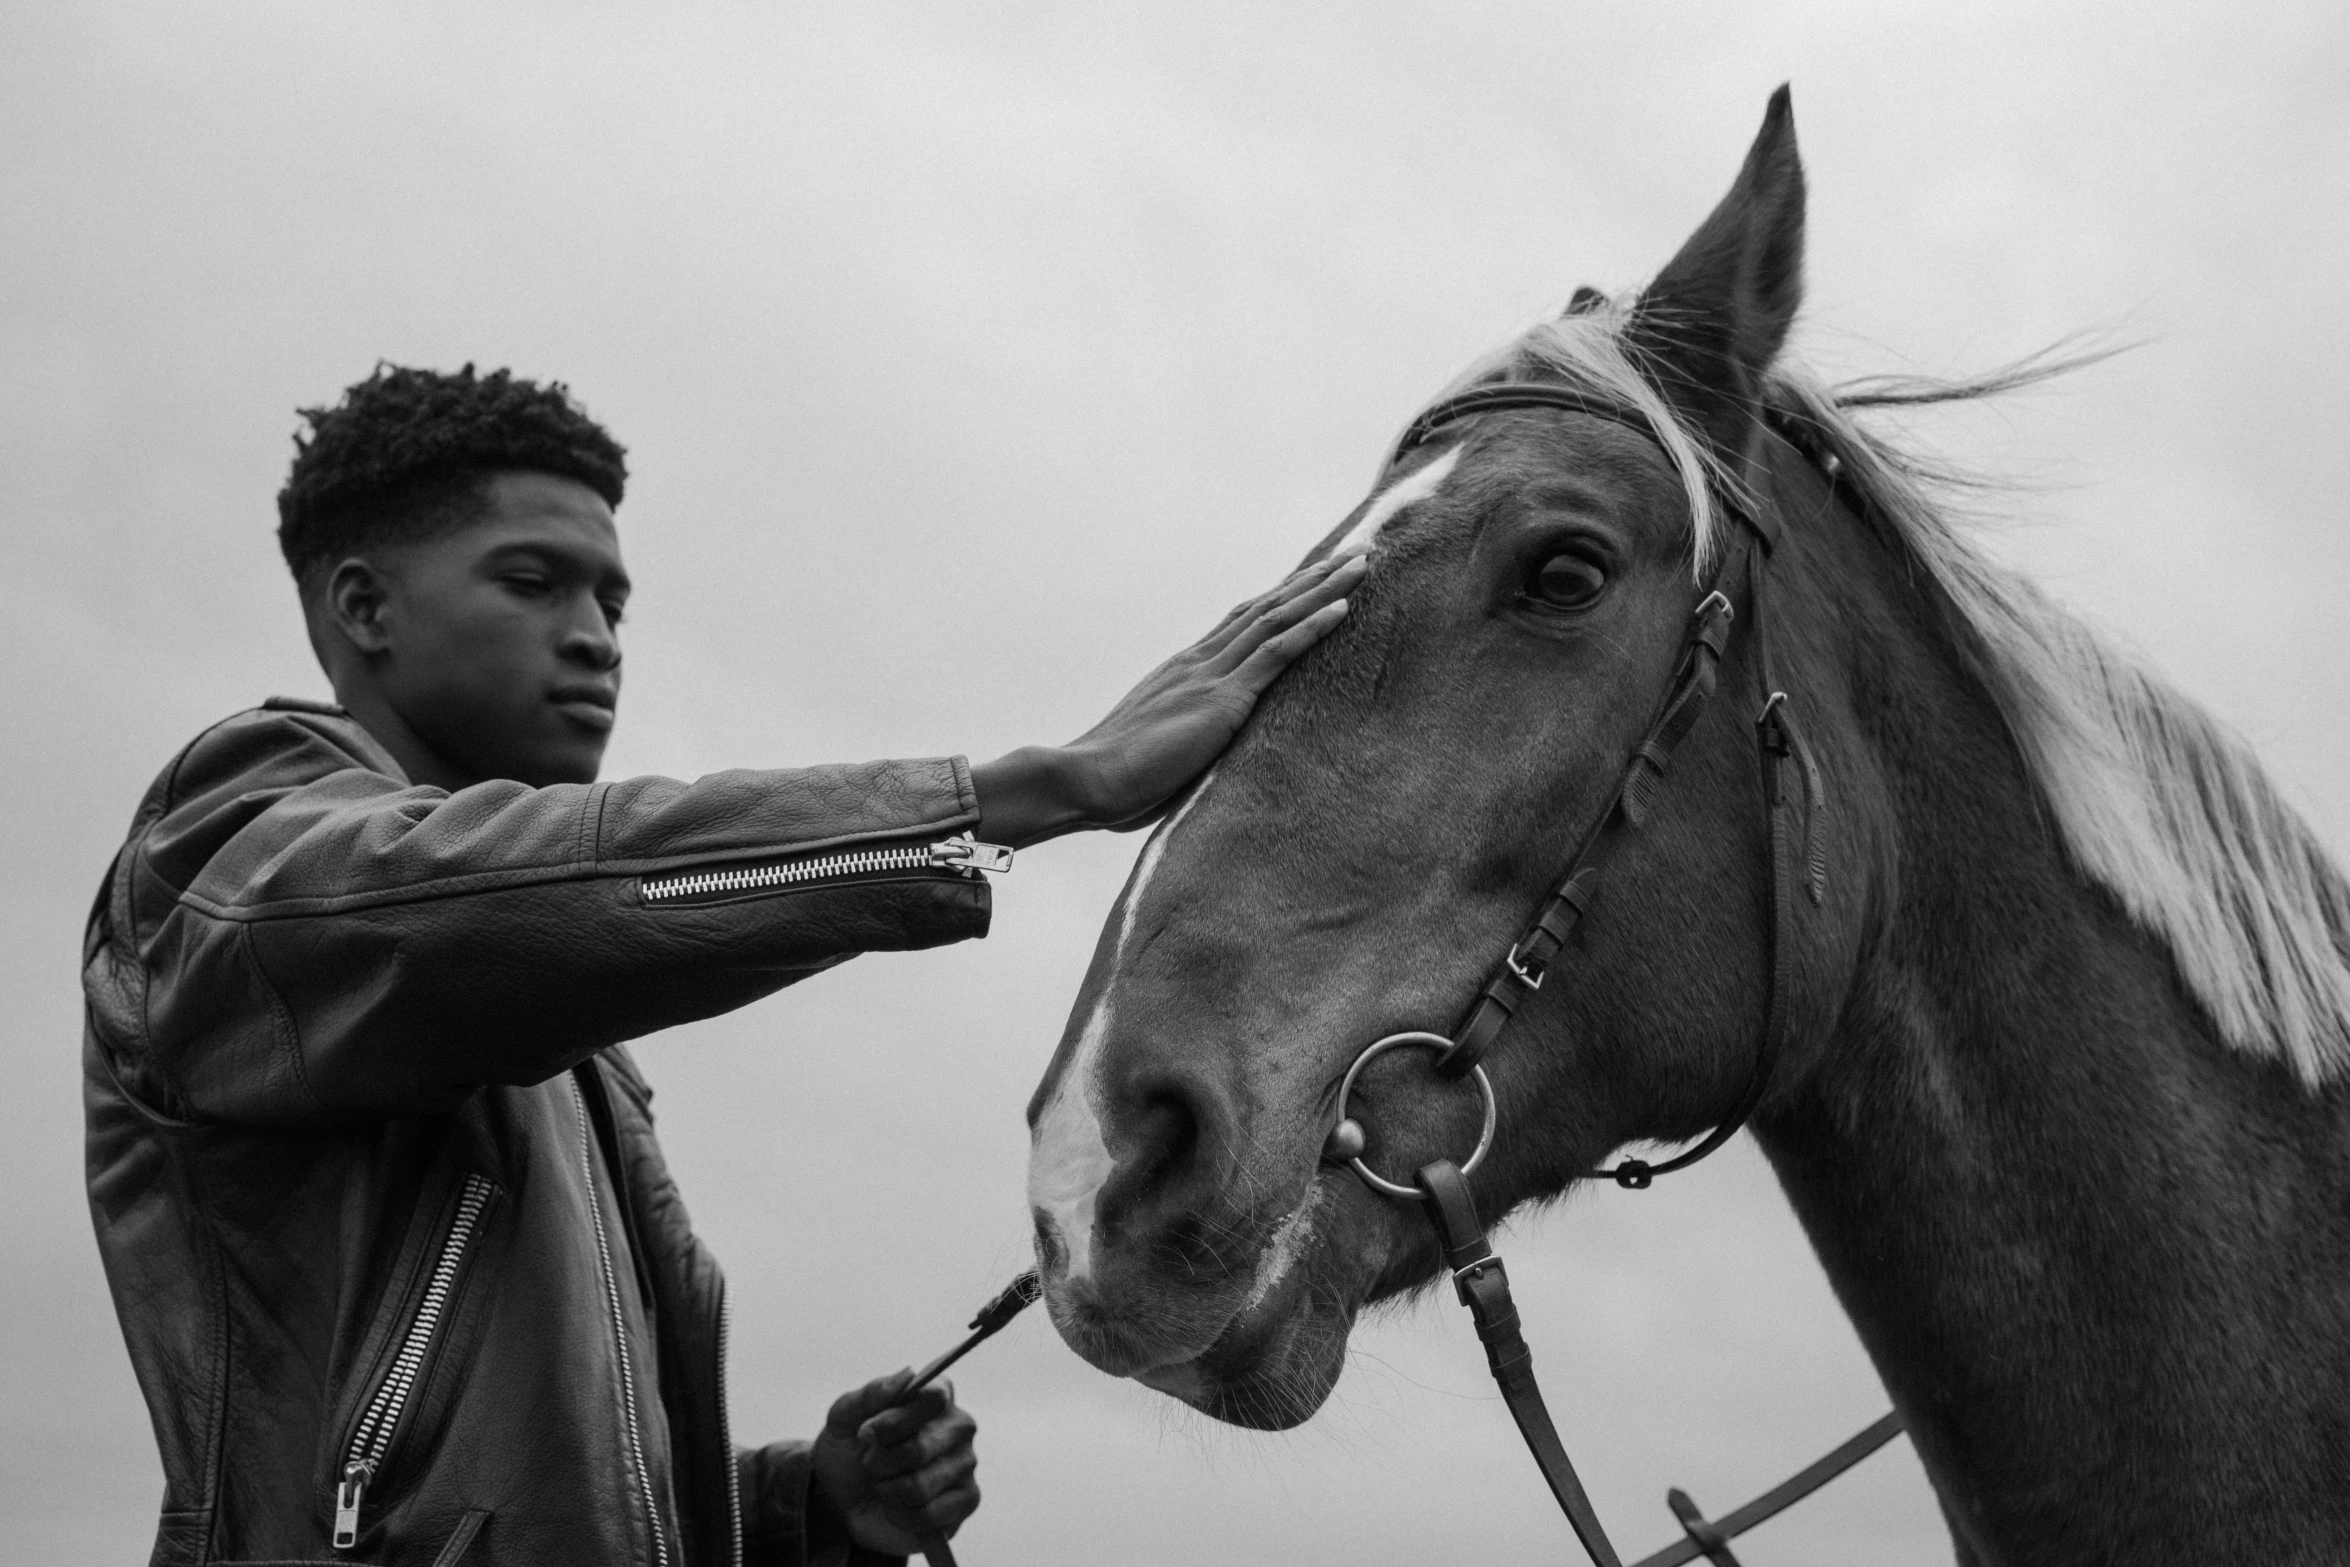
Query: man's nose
x=591, y=639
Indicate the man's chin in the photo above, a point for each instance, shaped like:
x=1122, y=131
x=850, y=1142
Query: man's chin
x=539, y=749
x=575, y=756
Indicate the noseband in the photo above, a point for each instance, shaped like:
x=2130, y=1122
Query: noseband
x=1477, y=1273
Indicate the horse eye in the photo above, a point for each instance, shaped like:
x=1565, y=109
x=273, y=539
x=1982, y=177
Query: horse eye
x=1566, y=582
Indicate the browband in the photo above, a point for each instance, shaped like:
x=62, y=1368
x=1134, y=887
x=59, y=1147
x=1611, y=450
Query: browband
x=1504, y=396
x=1523, y=394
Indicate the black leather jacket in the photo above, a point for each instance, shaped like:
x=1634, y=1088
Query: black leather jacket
x=401, y=1270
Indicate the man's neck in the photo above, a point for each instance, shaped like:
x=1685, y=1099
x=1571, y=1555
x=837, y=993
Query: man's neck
x=419, y=762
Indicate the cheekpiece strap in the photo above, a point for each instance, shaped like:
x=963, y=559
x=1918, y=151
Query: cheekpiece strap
x=1527, y=964
x=1522, y=971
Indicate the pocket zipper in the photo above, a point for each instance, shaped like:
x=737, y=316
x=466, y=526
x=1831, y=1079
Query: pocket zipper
x=960, y=853
x=373, y=1437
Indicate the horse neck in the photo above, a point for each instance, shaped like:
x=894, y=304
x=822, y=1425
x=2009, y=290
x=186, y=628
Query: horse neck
x=2101, y=1259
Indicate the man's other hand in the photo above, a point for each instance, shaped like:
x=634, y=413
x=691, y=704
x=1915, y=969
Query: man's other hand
x=1123, y=771
x=896, y=1471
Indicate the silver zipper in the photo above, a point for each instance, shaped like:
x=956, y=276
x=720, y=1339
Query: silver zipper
x=734, y=1475
x=960, y=853
x=373, y=1438
x=636, y=1438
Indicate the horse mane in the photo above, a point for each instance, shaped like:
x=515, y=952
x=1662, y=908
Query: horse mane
x=2154, y=800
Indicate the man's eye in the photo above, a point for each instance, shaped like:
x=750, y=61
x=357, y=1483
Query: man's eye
x=614, y=612
x=525, y=583
x=1566, y=581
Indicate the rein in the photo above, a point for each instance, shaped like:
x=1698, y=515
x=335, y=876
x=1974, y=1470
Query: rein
x=1788, y=769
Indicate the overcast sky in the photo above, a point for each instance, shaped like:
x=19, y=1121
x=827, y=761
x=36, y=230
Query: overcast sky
x=973, y=358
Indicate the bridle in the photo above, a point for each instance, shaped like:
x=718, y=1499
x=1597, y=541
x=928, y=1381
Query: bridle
x=1787, y=767
x=1526, y=964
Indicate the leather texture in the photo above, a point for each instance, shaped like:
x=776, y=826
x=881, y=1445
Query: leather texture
x=1483, y=1284
x=318, y=1000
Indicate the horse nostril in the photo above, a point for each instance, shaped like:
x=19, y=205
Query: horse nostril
x=1051, y=1252
x=1163, y=1145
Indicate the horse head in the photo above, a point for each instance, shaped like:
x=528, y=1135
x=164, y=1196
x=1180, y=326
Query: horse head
x=1377, y=837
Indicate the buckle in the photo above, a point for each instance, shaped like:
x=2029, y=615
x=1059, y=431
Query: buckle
x=1530, y=978
x=1465, y=1276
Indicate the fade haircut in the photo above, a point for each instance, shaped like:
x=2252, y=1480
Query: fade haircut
x=405, y=453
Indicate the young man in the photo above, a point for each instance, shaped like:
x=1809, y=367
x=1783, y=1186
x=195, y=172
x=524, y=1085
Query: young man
x=402, y=1273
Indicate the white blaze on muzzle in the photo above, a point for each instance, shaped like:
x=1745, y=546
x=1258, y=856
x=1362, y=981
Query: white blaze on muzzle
x=1069, y=1160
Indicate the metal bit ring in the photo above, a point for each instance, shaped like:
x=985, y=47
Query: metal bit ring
x=1428, y=1041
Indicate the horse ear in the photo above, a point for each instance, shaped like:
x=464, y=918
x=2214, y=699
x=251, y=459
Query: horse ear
x=1716, y=316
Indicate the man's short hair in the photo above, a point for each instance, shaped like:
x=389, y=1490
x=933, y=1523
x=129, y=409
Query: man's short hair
x=404, y=455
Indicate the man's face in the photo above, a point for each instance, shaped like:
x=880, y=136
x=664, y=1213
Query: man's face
x=502, y=646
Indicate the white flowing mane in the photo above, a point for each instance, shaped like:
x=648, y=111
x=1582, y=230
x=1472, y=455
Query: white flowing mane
x=2155, y=800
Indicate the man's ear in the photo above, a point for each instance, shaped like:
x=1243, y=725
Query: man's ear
x=1716, y=316
x=356, y=593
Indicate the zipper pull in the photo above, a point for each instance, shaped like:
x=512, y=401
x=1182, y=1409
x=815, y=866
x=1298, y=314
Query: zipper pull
x=354, y=1485
x=967, y=854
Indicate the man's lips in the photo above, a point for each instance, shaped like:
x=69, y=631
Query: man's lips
x=591, y=707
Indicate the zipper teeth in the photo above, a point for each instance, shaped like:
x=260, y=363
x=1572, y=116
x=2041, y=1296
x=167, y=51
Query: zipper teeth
x=734, y=1475
x=636, y=1441
x=374, y=1436
x=748, y=878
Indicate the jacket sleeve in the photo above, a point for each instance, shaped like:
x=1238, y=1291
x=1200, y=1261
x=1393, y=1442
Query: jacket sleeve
x=294, y=934
x=786, y=1521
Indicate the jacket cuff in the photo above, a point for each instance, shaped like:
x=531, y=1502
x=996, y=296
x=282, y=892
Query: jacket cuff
x=786, y=1520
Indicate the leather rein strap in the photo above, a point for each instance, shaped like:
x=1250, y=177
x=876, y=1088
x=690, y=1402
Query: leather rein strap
x=1484, y=1287
x=1478, y=1275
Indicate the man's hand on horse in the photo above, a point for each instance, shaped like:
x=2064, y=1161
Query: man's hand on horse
x=1125, y=771
x=898, y=1471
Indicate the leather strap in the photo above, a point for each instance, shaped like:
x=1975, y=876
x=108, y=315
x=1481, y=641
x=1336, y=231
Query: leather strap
x=1776, y=745
x=1523, y=970
x=1782, y=1496
x=1521, y=973
x=1483, y=1285
x=1778, y=738
x=1484, y=1288
x=1478, y=1275
x=1504, y=396
x=1706, y=1535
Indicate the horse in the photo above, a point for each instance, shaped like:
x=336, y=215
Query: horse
x=2061, y=1104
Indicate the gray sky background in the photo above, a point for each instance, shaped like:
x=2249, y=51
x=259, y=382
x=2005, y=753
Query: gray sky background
x=973, y=358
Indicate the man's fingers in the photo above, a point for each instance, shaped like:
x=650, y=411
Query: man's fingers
x=1305, y=575
x=1278, y=618
x=896, y=1422
x=853, y=1409
x=925, y=1446
x=1312, y=586
x=942, y=1514
x=1278, y=651
x=909, y=1494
